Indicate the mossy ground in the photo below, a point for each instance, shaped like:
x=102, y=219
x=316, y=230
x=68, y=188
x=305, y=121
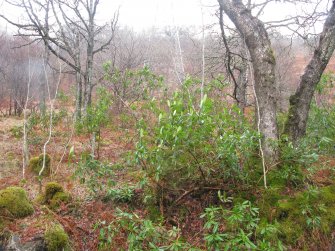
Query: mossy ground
x=54, y=195
x=36, y=164
x=301, y=215
x=14, y=203
x=56, y=239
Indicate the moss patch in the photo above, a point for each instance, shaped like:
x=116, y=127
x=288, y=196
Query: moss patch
x=268, y=203
x=36, y=164
x=15, y=203
x=56, y=239
x=306, y=212
x=54, y=195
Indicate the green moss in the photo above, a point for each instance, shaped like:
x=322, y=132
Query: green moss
x=36, y=164
x=56, y=239
x=328, y=195
x=51, y=189
x=14, y=200
x=58, y=198
x=268, y=203
x=296, y=215
x=290, y=231
x=54, y=195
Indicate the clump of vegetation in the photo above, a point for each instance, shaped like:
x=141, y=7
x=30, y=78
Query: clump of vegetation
x=17, y=131
x=54, y=195
x=36, y=164
x=14, y=201
x=56, y=239
x=122, y=194
x=193, y=146
x=306, y=213
x=98, y=176
x=96, y=117
x=139, y=234
x=239, y=227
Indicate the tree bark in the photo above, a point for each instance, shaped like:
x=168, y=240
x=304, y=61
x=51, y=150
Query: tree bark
x=263, y=62
x=300, y=102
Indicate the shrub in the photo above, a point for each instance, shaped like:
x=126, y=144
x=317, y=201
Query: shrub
x=122, y=194
x=17, y=131
x=239, y=228
x=56, y=239
x=189, y=147
x=14, y=200
x=138, y=234
x=96, y=175
x=36, y=164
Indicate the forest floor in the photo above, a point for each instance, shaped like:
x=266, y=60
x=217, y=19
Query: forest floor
x=77, y=218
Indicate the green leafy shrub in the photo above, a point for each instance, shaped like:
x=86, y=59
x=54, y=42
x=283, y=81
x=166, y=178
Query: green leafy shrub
x=36, y=164
x=98, y=176
x=131, y=85
x=239, y=228
x=17, y=131
x=138, y=234
x=190, y=146
x=96, y=118
x=56, y=239
x=14, y=200
x=121, y=194
x=62, y=97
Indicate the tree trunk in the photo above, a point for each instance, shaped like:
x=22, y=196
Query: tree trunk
x=263, y=62
x=242, y=83
x=90, y=56
x=79, y=96
x=300, y=102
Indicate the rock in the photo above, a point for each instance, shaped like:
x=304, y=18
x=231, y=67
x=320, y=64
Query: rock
x=54, y=195
x=14, y=244
x=14, y=203
x=56, y=239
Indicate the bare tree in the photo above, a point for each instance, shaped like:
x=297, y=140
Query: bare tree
x=69, y=31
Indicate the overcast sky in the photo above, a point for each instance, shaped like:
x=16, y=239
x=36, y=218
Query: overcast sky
x=144, y=14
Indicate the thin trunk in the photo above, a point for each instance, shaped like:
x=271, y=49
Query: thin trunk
x=93, y=143
x=79, y=96
x=90, y=57
x=300, y=102
x=25, y=131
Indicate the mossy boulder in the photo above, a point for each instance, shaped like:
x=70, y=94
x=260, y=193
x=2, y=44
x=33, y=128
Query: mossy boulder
x=54, y=195
x=14, y=203
x=56, y=239
x=36, y=164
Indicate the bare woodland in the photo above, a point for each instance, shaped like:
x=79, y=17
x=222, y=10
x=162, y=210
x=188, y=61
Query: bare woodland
x=218, y=137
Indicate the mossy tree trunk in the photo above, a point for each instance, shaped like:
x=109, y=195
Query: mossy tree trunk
x=300, y=102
